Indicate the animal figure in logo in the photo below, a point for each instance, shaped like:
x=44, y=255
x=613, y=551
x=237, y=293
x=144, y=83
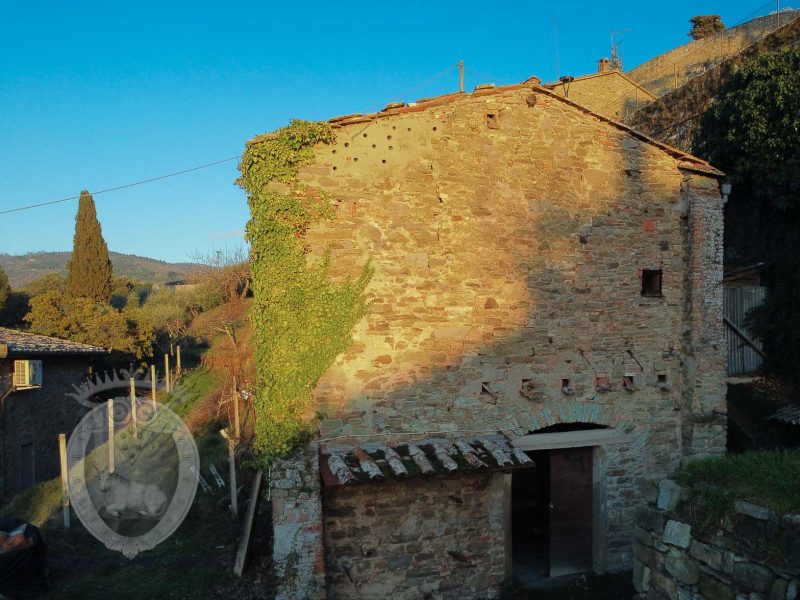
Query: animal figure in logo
x=123, y=497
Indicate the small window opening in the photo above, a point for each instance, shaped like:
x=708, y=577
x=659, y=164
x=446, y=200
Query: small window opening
x=662, y=378
x=651, y=282
x=492, y=121
x=566, y=387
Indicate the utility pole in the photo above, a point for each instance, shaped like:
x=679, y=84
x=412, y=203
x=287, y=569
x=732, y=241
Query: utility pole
x=461, y=76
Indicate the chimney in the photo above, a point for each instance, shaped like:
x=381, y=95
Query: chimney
x=603, y=65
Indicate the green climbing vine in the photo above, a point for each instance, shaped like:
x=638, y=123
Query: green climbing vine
x=302, y=319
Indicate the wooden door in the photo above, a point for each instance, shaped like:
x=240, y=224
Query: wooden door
x=570, y=511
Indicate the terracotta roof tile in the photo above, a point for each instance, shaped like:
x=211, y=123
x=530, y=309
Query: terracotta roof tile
x=372, y=461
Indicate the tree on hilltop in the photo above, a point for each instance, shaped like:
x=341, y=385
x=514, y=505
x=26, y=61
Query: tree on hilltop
x=89, y=272
x=705, y=26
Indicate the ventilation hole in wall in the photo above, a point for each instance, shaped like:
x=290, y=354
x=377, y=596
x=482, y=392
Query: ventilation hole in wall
x=334, y=168
x=333, y=151
x=388, y=137
x=409, y=129
x=528, y=389
x=391, y=147
x=564, y=383
x=434, y=128
x=662, y=378
x=365, y=135
x=384, y=161
x=355, y=159
x=601, y=382
x=628, y=383
x=347, y=144
x=394, y=126
x=493, y=120
x=374, y=146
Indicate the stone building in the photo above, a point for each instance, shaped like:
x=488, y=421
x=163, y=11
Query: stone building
x=36, y=374
x=608, y=92
x=545, y=327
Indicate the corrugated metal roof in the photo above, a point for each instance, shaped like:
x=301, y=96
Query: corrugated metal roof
x=21, y=343
x=375, y=461
x=788, y=414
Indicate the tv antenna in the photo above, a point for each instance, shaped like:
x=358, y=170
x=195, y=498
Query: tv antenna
x=616, y=59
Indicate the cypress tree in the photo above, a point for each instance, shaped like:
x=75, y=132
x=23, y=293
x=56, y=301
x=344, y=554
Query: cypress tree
x=89, y=273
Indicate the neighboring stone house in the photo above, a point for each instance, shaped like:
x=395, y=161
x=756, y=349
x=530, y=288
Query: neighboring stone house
x=545, y=326
x=36, y=374
x=608, y=92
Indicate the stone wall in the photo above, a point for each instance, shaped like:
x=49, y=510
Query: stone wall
x=693, y=58
x=439, y=538
x=675, y=117
x=508, y=230
x=297, y=555
x=36, y=416
x=609, y=93
x=508, y=233
x=753, y=554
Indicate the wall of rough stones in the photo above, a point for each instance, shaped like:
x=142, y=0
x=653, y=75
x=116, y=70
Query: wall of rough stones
x=695, y=57
x=441, y=537
x=37, y=416
x=753, y=554
x=508, y=230
x=298, y=562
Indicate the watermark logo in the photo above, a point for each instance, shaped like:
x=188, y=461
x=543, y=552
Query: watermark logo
x=132, y=463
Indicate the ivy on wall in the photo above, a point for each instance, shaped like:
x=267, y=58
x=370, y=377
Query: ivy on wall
x=302, y=318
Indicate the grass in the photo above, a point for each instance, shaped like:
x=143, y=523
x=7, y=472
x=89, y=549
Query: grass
x=767, y=478
x=37, y=504
x=198, y=385
x=195, y=561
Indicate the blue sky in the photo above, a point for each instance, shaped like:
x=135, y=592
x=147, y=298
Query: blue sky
x=99, y=94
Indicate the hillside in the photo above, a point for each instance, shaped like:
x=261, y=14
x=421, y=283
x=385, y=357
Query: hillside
x=24, y=268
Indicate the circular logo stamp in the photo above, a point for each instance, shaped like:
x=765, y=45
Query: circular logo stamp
x=133, y=467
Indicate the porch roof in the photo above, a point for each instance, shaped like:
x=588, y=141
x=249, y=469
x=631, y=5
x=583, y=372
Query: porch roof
x=375, y=461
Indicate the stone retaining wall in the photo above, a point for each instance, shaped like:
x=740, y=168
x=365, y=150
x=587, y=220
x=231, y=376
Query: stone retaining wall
x=753, y=554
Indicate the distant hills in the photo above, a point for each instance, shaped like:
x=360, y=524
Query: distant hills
x=24, y=268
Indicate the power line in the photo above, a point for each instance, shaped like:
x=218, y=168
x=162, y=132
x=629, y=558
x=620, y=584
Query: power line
x=205, y=166
x=122, y=187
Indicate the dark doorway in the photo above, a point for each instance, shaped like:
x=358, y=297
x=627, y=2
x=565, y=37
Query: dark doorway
x=551, y=515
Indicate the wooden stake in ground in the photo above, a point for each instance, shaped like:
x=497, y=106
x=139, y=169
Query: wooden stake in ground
x=153, y=382
x=62, y=451
x=244, y=545
x=110, y=409
x=166, y=372
x=236, y=429
x=232, y=466
x=134, y=417
x=178, y=360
